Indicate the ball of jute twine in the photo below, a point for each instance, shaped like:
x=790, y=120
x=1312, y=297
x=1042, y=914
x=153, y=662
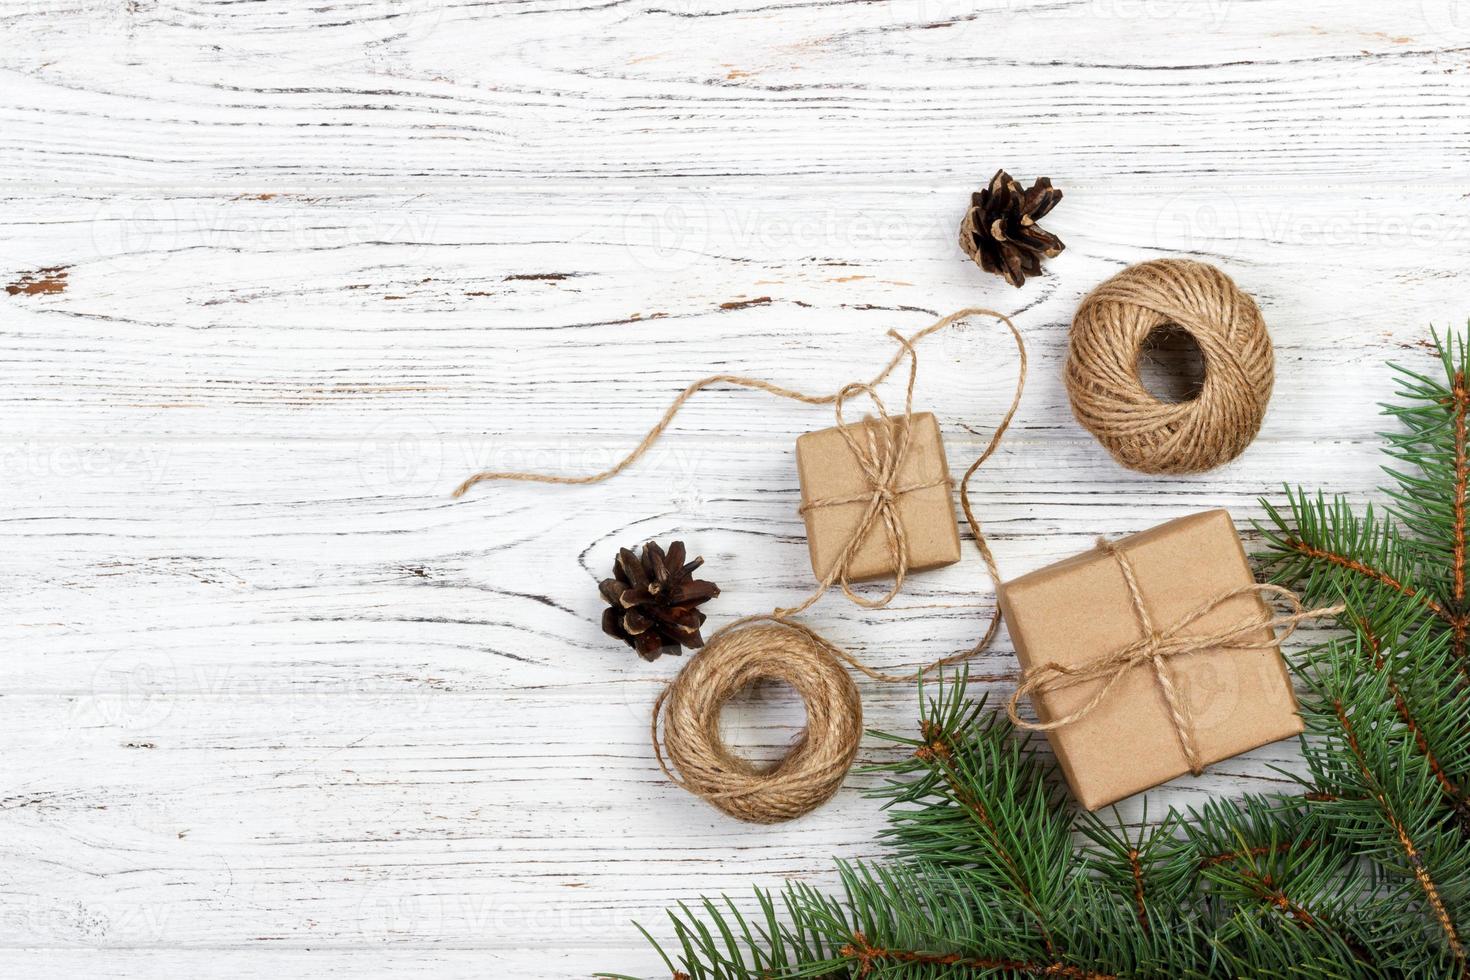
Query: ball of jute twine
x=1108, y=396
x=689, y=749
x=816, y=763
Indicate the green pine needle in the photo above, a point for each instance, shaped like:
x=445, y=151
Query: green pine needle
x=1362, y=871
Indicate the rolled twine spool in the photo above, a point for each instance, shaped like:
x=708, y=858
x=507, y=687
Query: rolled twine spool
x=815, y=765
x=1108, y=397
x=775, y=646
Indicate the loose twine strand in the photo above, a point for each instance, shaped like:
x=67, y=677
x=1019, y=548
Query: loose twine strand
x=1155, y=648
x=1108, y=396
x=775, y=646
x=879, y=455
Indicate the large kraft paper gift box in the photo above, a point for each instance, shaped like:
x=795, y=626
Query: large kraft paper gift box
x=1080, y=609
x=829, y=471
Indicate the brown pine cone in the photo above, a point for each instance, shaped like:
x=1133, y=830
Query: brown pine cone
x=652, y=600
x=1000, y=233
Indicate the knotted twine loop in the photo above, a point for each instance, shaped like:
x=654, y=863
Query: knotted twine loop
x=775, y=646
x=1108, y=396
x=1156, y=647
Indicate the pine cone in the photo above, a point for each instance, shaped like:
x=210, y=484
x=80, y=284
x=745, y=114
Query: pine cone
x=1000, y=232
x=652, y=600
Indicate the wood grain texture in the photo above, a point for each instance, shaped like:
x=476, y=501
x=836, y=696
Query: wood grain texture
x=276, y=276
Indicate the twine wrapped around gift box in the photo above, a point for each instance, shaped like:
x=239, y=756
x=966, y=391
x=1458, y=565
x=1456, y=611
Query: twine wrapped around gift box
x=902, y=458
x=1154, y=650
x=1106, y=700
x=773, y=645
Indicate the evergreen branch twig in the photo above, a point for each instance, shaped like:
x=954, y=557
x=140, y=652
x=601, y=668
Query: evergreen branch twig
x=1406, y=844
x=1362, y=873
x=869, y=956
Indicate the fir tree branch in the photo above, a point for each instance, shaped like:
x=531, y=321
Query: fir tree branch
x=983, y=806
x=1262, y=850
x=1266, y=889
x=1431, y=498
x=1279, y=869
x=1273, y=893
x=1379, y=663
x=1325, y=549
x=869, y=957
x=1410, y=850
x=1147, y=872
x=1136, y=870
x=1459, y=399
x=1320, y=796
x=939, y=753
x=1367, y=571
x=1362, y=874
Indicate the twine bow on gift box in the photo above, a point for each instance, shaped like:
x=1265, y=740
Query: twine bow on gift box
x=1156, y=647
x=879, y=447
x=880, y=462
x=774, y=645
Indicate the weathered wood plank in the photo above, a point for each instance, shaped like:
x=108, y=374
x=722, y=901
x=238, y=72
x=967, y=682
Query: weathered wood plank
x=274, y=277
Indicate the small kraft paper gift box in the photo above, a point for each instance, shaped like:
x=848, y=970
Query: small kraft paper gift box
x=1113, y=646
x=838, y=487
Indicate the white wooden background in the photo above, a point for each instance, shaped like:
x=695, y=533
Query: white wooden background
x=278, y=274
